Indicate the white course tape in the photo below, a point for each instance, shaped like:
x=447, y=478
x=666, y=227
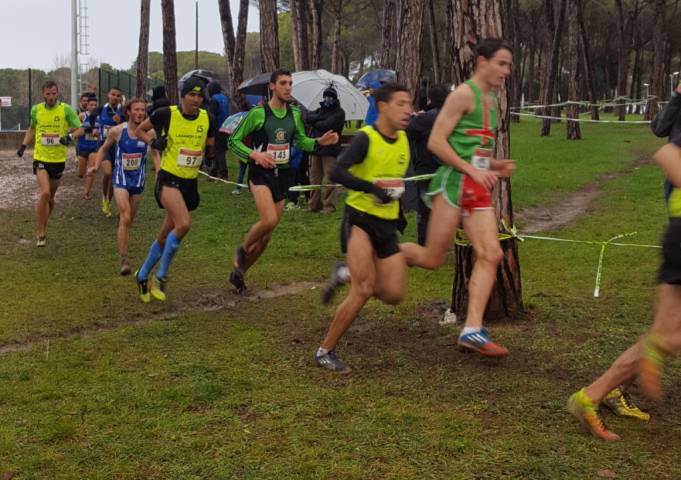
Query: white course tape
x=581, y=120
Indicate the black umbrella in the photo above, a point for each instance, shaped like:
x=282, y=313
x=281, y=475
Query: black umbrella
x=206, y=76
x=256, y=85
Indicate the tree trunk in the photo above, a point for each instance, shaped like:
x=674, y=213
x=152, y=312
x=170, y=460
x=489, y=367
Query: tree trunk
x=234, y=48
x=169, y=50
x=143, y=50
x=409, y=46
x=635, y=92
x=573, y=130
x=301, y=56
x=478, y=19
x=551, y=77
x=657, y=82
x=388, y=49
x=623, y=46
x=336, y=49
x=450, y=49
x=512, y=12
x=434, y=47
x=269, y=36
x=587, y=66
x=316, y=7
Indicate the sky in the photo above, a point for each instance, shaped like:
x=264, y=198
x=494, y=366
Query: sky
x=36, y=33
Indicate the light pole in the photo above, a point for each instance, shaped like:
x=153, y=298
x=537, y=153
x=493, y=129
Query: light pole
x=647, y=90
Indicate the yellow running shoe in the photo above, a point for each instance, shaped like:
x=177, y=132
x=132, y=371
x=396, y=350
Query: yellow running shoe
x=586, y=411
x=157, y=288
x=650, y=367
x=142, y=288
x=106, y=207
x=621, y=405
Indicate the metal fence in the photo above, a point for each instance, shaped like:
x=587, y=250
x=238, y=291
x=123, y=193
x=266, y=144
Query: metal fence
x=24, y=87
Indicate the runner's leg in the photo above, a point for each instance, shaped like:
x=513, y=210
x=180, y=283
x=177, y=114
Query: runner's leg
x=259, y=235
x=90, y=177
x=43, y=208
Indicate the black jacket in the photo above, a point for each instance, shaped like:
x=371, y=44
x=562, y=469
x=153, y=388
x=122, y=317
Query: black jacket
x=321, y=121
x=418, y=132
x=667, y=123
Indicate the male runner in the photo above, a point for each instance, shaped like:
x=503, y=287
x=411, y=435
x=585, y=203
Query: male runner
x=463, y=138
x=110, y=114
x=645, y=359
x=188, y=131
x=88, y=144
x=274, y=127
x=82, y=102
x=53, y=125
x=372, y=168
x=129, y=171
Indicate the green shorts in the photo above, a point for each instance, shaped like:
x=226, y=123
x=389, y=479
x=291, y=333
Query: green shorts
x=460, y=190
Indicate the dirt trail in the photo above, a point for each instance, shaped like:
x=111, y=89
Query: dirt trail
x=206, y=302
x=547, y=219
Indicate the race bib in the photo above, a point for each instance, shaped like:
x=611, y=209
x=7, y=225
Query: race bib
x=482, y=158
x=49, y=139
x=105, y=130
x=92, y=136
x=280, y=153
x=189, y=158
x=394, y=187
x=131, y=161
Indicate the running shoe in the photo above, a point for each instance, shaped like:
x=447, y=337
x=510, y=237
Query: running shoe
x=41, y=242
x=330, y=361
x=334, y=282
x=236, y=278
x=236, y=191
x=143, y=289
x=621, y=405
x=158, y=288
x=650, y=366
x=586, y=411
x=125, y=268
x=481, y=343
x=106, y=207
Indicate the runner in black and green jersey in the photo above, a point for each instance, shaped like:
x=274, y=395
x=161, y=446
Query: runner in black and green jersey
x=273, y=128
x=372, y=168
x=53, y=125
x=463, y=139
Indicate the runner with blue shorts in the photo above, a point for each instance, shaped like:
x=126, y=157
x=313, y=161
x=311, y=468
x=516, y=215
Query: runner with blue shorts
x=110, y=114
x=88, y=144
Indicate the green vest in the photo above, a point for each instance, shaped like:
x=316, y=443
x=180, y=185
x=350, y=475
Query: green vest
x=186, y=142
x=50, y=125
x=474, y=137
x=276, y=136
x=383, y=161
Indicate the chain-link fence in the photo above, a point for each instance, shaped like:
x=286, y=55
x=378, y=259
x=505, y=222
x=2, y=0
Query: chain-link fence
x=23, y=87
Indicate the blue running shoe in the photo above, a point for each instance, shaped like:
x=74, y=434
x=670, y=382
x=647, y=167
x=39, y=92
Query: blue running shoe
x=331, y=362
x=481, y=343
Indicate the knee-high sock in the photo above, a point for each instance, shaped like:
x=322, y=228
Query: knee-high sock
x=172, y=245
x=154, y=254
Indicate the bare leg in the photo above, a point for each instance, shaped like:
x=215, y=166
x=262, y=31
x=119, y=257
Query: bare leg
x=127, y=208
x=82, y=166
x=90, y=177
x=47, y=189
x=391, y=279
x=107, y=190
x=481, y=228
x=442, y=227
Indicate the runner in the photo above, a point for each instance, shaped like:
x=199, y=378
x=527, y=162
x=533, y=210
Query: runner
x=190, y=131
x=110, y=114
x=463, y=138
x=87, y=145
x=274, y=127
x=83, y=101
x=129, y=171
x=372, y=168
x=645, y=359
x=53, y=125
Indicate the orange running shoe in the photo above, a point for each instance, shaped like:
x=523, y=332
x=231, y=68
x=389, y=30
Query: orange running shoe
x=586, y=411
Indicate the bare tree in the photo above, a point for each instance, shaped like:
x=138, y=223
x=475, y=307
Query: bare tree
x=169, y=49
x=587, y=64
x=657, y=83
x=316, y=7
x=299, y=14
x=478, y=19
x=573, y=130
x=388, y=38
x=234, y=47
x=548, y=93
x=269, y=35
x=409, y=45
x=336, y=52
x=143, y=49
x=434, y=47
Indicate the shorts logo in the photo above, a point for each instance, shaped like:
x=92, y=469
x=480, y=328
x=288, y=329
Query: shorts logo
x=280, y=135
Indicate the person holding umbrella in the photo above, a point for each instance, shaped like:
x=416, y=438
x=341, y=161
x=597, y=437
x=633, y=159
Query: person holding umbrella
x=273, y=128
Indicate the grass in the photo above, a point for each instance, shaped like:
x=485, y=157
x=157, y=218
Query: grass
x=197, y=394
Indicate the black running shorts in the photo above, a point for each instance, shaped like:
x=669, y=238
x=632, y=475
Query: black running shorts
x=670, y=270
x=383, y=233
x=187, y=186
x=54, y=170
x=273, y=178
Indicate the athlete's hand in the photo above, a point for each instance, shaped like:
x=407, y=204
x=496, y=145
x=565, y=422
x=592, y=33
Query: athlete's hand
x=66, y=140
x=486, y=178
x=91, y=170
x=21, y=150
x=382, y=194
x=159, y=143
x=263, y=159
x=329, y=138
x=505, y=168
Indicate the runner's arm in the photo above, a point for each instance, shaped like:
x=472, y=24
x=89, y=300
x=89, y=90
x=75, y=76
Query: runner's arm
x=159, y=121
x=210, y=138
x=111, y=139
x=253, y=121
x=353, y=155
x=73, y=122
x=668, y=158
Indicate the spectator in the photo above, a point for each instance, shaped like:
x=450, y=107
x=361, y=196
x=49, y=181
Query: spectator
x=423, y=161
x=667, y=123
x=372, y=113
x=329, y=116
x=219, y=107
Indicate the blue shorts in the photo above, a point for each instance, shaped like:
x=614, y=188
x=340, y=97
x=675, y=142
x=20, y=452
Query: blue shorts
x=131, y=190
x=110, y=155
x=85, y=152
